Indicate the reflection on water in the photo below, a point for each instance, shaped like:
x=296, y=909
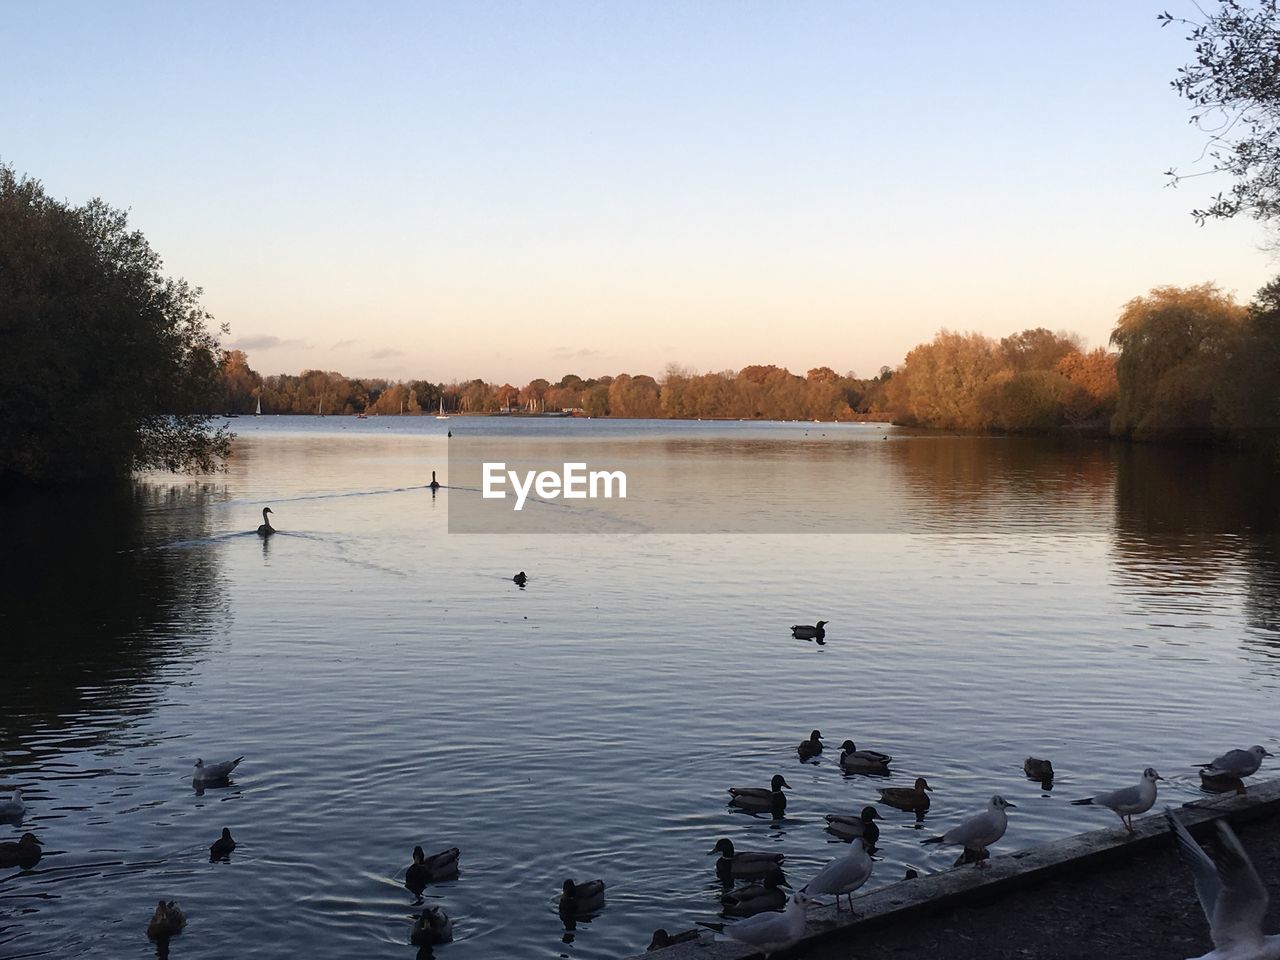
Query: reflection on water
x=391, y=685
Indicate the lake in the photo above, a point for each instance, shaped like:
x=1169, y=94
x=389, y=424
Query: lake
x=1109, y=607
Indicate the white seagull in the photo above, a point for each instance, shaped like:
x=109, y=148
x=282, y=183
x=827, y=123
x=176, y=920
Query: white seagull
x=213, y=772
x=771, y=931
x=843, y=875
x=1235, y=763
x=1127, y=801
x=13, y=808
x=979, y=831
x=1231, y=894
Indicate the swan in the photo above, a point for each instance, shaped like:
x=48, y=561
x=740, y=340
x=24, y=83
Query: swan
x=434, y=485
x=266, y=529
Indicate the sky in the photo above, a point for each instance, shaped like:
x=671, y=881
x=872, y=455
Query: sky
x=509, y=190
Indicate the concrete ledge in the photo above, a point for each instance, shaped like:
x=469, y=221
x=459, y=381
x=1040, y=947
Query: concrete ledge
x=960, y=885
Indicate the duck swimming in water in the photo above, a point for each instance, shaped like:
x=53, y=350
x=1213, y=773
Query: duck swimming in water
x=907, y=798
x=24, y=852
x=663, y=939
x=520, y=578
x=810, y=748
x=432, y=869
x=581, y=899
x=861, y=827
x=756, y=898
x=742, y=864
x=1037, y=769
x=803, y=631
x=167, y=921
x=432, y=928
x=853, y=760
x=761, y=800
x=221, y=848
x=266, y=529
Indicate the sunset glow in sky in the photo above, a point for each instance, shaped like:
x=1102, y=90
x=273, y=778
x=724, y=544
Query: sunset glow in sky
x=511, y=190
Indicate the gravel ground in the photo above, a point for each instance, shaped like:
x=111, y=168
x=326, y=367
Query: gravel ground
x=1144, y=908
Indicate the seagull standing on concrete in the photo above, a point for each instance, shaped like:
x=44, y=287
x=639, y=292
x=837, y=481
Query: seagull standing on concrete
x=980, y=831
x=1127, y=801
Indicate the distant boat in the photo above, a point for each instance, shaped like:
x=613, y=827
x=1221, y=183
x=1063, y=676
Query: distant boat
x=258, y=411
x=442, y=415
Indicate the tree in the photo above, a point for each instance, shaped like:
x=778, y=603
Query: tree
x=1233, y=84
x=1174, y=347
x=107, y=365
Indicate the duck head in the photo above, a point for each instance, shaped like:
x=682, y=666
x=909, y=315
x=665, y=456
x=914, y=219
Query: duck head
x=869, y=814
x=778, y=782
x=724, y=846
x=922, y=784
x=849, y=746
x=418, y=855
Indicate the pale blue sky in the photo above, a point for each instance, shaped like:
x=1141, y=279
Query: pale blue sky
x=509, y=190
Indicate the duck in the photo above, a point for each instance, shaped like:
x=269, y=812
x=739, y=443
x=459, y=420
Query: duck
x=979, y=832
x=167, y=921
x=747, y=901
x=907, y=798
x=661, y=938
x=432, y=928
x=853, y=760
x=742, y=864
x=810, y=748
x=265, y=529
x=14, y=808
x=1127, y=801
x=770, y=932
x=431, y=869
x=214, y=772
x=862, y=827
x=803, y=631
x=24, y=852
x=1037, y=769
x=434, y=484
x=221, y=848
x=843, y=875
x=581, y=899
x=520, y=578
x=1236, y=764
x=760, y=800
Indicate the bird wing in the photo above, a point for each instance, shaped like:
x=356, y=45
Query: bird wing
x=1124, y=797
x=1233, y=761
x=751, y=793
x=762, y=928
x=841, y=875
x=1203, y=871
x=1242, y=899
x=977, y=832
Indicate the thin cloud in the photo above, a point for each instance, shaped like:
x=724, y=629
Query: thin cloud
x=567, y=353
x=344, y=343
x=265, y=342
x=386, y=353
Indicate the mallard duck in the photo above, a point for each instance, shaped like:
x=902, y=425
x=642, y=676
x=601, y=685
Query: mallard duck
x=744, y=864
x=760, y=800
x=853, y=760
x=843, y=875
x=803, y=631
x=214, y=772
x=747, y=901
x=167, y=921
x=662, y=939
x=520, y=578
x=581, y=899
x=24, y=852
x=810, y=748
x=978, y=832
x=432, y=869
x=1041, y=770
x=221, y=848
x=432, y=928
x=1235, y=763
x=1127, y=801
x=13, y=808
x=266, y=529
x=863, y=826
x=907, y=798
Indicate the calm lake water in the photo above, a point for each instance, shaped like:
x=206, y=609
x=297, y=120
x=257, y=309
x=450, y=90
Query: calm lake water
x=389, y=685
